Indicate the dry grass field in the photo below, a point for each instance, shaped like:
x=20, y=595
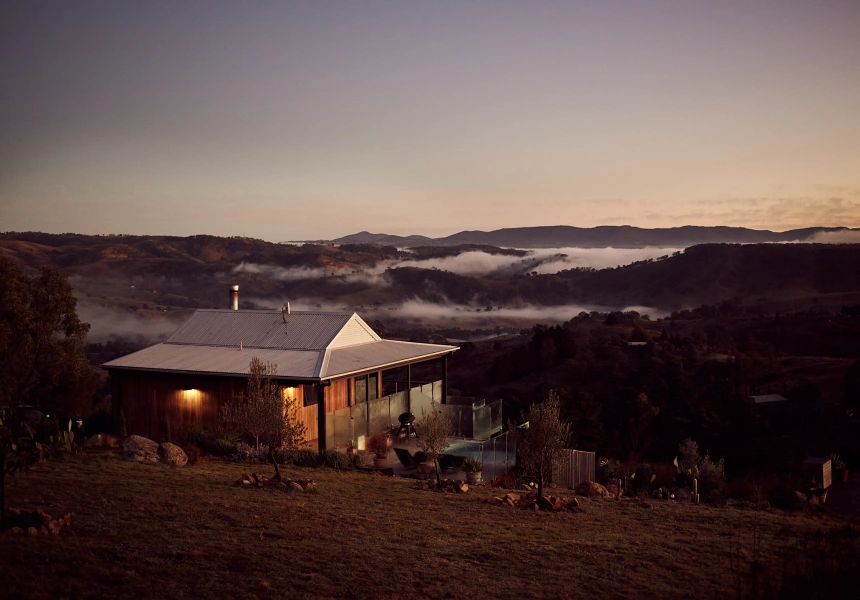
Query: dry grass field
x=151, y=531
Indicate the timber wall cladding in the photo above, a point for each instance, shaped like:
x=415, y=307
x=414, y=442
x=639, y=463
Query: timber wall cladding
x=153, y=401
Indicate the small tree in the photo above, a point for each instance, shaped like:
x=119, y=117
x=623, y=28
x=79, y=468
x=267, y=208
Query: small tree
x=541, y=445
x=436, y=429
x=263, y=412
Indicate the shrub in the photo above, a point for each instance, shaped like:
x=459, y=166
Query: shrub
x=339, y=460
x=192, y=452
x=378, y=444
x=712, y=475
x=642, y=478
x=472, y=465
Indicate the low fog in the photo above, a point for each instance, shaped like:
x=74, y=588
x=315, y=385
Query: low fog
x=473, y=264
x=108, y=322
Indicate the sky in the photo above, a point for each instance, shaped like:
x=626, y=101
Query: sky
x=312, y=120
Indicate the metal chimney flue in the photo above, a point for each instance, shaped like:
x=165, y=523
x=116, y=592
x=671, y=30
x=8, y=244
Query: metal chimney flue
x=234, y=297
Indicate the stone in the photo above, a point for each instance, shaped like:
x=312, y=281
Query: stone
x=172, y=454
x=813, y=500
x=15, y=531
x=590, y=488
x=801, y=497
x=32, y=530
x=310, y=485
x=495, y=501
x=613, y=490
x=54, y=527
x=683, y=493
x=140, y=449
x=13, y=512
x=572, y=504
x=296, y=487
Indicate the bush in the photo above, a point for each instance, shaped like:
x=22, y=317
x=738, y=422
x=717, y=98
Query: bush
x=192, y=452
x=339, y=460
x=308, y=458
x=712, y=475
x=217, y=442
x=642, y=478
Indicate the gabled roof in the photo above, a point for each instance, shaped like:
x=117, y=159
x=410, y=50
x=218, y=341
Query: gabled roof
x=304, y=345
x=267, y=329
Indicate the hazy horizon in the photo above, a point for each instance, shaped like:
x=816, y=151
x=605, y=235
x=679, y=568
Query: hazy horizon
x=297, y=120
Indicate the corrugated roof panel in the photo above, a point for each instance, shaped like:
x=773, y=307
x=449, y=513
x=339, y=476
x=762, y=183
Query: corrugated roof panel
x=222, y=360
x=378, y=354
x=260, y=329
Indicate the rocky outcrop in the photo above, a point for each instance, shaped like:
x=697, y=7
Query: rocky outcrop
x=591, y=488
x=172, y=454
x=140, y=449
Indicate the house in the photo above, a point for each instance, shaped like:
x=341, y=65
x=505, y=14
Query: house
x=326, y=361
x=768, y=399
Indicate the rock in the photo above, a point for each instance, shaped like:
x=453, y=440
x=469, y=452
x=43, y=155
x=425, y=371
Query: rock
x=310, y=485
x=613, y=490
x=172, y=454
x=13, y=512
x=683, y=493
x=572, y=504
x=140, y=449
x=801, y=497
x=54, y=527
x=296, y=487
x=495, y=500
x=32, y=530
x=590, y=488
x=813, y=501
x=15, y=531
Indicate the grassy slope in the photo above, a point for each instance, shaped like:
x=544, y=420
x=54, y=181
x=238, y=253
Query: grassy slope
x=153, y=531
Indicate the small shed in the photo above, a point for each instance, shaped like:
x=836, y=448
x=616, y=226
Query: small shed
x=819, y=470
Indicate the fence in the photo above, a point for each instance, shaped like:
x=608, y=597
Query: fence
x=577, y=466
x=473, y=418
x=498, y=455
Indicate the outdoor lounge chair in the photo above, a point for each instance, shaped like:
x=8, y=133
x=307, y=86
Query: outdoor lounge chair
x=408, y=460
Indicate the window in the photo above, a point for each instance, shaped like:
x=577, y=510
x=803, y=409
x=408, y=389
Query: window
x=360, y=390
x=373, y=386
x=310, y=394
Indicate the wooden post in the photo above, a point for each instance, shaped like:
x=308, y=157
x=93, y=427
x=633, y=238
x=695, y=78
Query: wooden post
x=409, y=388
x=321, y=417
x=695, y=491
x=445, y=379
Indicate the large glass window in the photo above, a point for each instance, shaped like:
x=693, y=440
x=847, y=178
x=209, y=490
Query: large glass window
x=360, y=390
x=373, y=386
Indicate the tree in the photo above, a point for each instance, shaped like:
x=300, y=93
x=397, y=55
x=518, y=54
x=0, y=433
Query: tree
x=540, y=446
x=436, y=430
x=263, y=413
x=42, y=359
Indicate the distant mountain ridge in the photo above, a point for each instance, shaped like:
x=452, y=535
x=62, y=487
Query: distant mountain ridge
x=621, y=236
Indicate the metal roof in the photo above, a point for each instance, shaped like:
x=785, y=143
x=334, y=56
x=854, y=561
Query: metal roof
x=261, y=329
x=384, y=353
x=304, y=347
x=300, y=364
x=768, y=398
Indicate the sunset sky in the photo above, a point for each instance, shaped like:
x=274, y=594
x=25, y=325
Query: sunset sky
x=303, y=120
